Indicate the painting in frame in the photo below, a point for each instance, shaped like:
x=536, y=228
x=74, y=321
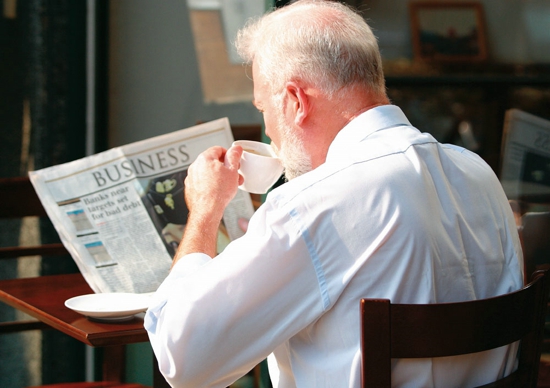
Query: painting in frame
x=450, y=31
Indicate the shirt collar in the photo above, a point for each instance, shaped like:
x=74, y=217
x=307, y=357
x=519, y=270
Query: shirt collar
x=375, y=119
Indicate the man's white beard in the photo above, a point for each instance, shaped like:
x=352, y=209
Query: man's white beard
x=292, y=153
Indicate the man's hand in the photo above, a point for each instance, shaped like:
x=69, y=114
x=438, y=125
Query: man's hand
x=212, y=182
x=243, y=224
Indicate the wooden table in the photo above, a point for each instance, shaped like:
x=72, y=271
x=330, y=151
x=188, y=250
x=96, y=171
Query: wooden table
x=44, y=299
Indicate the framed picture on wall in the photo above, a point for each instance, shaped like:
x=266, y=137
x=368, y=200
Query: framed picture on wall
x=451, y=31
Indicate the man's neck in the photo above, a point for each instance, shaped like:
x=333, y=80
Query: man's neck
x=334, y=117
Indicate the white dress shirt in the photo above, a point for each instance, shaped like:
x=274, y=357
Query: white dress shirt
x=390, y=214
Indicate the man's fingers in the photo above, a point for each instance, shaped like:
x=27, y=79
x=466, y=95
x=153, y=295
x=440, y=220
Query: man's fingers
x=243, y=224
x=233, y=157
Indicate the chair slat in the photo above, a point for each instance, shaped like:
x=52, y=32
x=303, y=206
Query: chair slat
x=42, y=250
x=468, y=321
x=17, y=326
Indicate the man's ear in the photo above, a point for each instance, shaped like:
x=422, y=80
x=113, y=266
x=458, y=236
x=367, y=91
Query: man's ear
x=298, y=101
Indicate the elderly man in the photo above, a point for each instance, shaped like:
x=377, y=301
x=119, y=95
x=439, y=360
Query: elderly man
x=373, y=208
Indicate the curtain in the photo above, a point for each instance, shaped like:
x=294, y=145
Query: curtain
x=42, y=113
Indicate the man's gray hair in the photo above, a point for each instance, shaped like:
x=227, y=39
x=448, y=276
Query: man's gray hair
x=323, y=43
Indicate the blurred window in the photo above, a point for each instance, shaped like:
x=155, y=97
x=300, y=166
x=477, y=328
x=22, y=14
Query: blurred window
x=215, y=23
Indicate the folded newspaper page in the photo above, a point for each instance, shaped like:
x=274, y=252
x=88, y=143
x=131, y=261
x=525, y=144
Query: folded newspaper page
x=525, y=164
x=121, y=213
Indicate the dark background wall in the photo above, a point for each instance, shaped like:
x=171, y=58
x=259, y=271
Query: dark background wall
x=42, y=116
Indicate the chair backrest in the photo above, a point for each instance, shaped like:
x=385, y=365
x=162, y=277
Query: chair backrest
x=450, y=329
x=18, y=199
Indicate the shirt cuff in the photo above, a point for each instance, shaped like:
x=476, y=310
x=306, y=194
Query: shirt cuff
x=189, y=263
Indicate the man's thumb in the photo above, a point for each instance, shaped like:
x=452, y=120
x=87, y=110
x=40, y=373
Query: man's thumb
x=233, y=157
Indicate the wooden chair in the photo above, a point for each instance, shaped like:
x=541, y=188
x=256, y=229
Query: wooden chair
x=19, y=200
x=535, y=239
x=447, y=329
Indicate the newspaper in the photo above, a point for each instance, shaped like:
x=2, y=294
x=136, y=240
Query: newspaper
x=112, y=209
x=525, y=164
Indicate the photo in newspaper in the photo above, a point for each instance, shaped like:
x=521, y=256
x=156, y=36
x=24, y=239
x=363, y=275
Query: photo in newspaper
x=121, y=213
x=164, y=201
x=525, y=164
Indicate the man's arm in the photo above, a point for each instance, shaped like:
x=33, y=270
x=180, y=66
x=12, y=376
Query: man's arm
x=212, y=182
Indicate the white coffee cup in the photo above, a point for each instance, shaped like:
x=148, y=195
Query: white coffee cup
x=260, y=166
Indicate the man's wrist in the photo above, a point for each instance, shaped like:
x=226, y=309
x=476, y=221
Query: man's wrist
x=206, y=222
x=200, y=236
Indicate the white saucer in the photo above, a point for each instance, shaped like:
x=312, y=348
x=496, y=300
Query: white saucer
x=115, y=306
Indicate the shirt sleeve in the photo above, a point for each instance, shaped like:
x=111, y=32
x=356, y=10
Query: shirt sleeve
x=213, y=320
x=188, y=264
